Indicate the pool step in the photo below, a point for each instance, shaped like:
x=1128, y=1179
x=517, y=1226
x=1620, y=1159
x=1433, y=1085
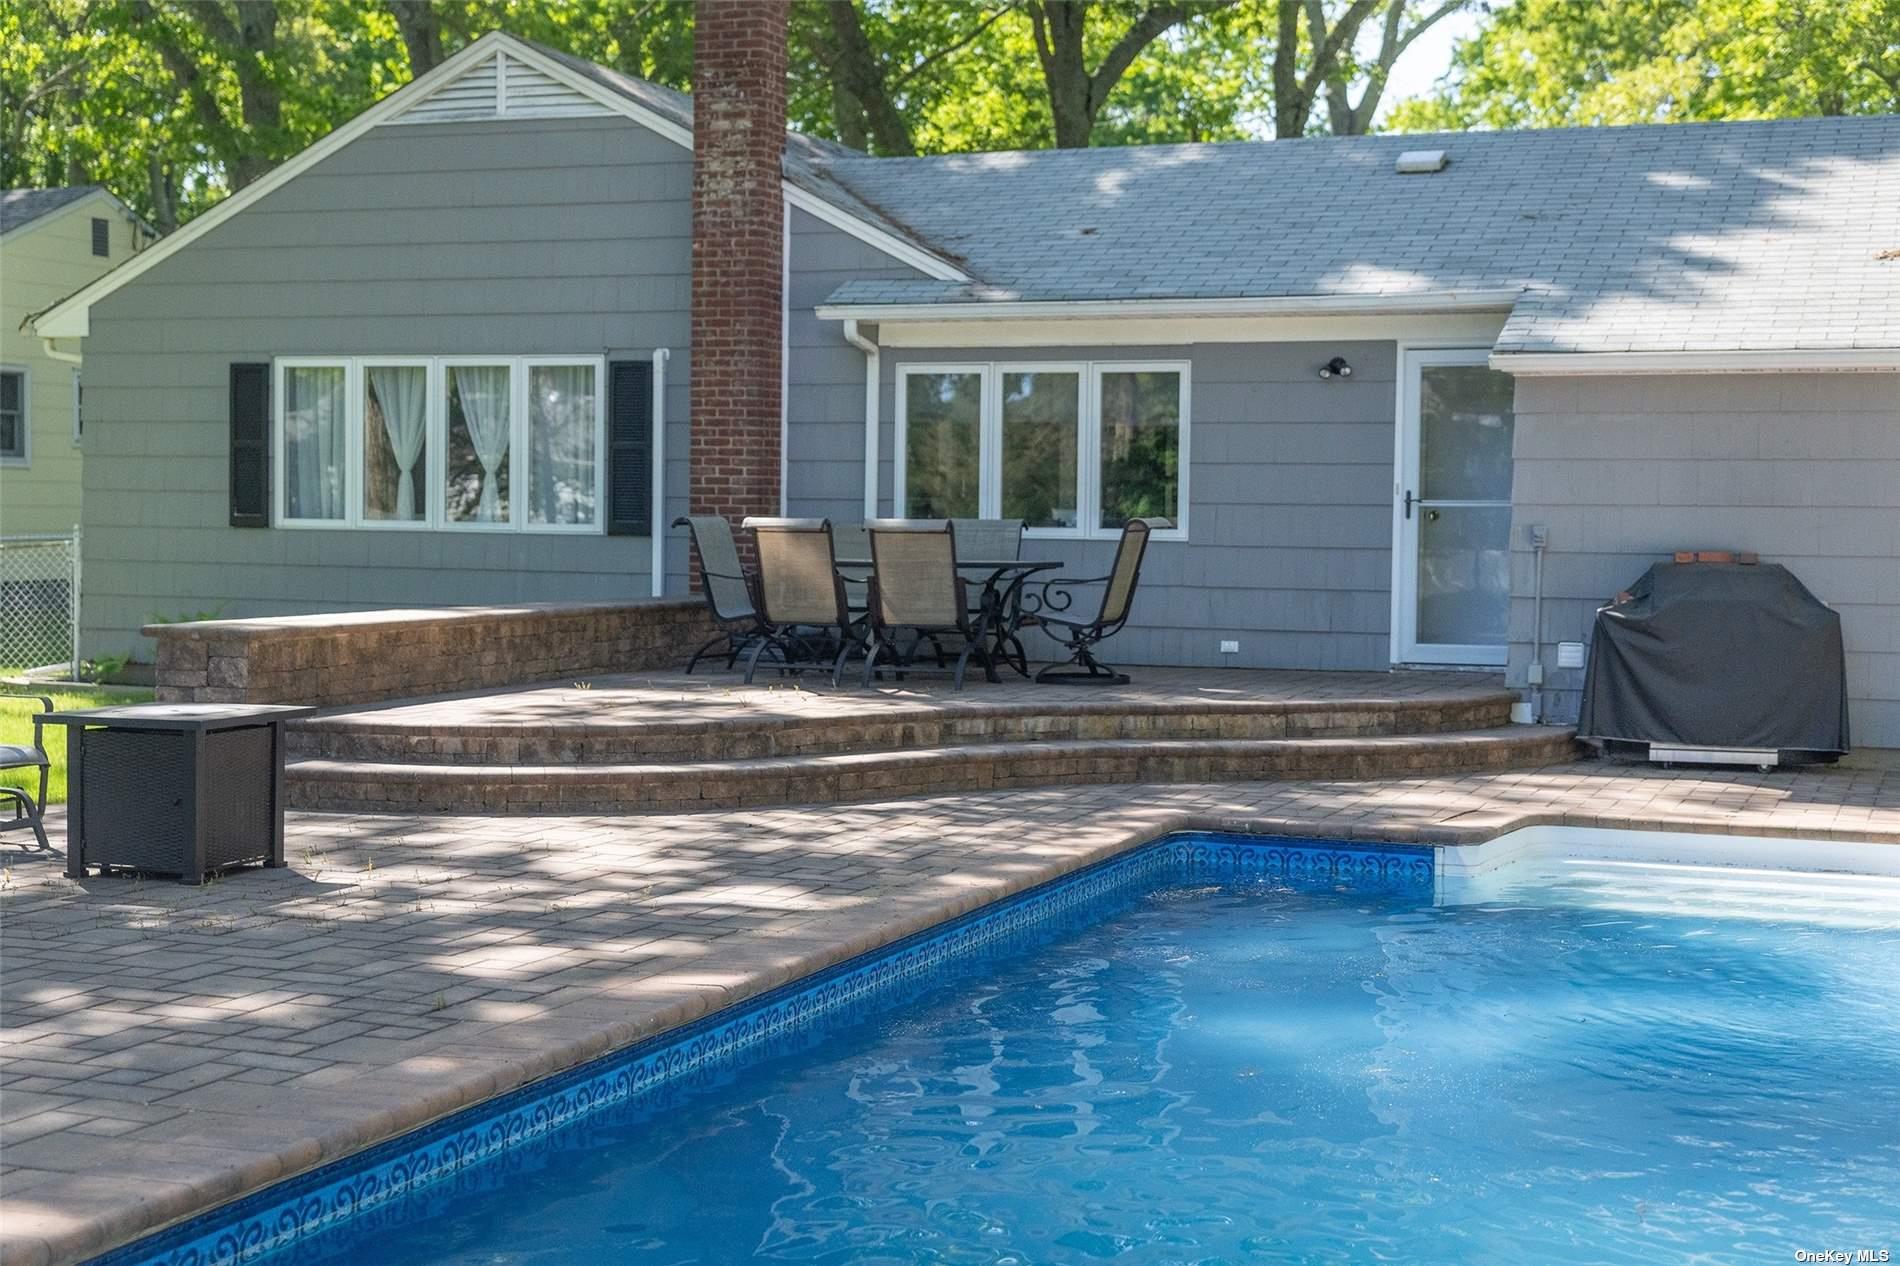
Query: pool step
x=324, y=783
x=380, y=736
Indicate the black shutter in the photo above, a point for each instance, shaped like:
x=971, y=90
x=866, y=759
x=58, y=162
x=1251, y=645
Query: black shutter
x=250, y=445
x=629, y=448
x=101, y=238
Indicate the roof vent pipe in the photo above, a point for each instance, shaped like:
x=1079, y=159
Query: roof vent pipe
x=1418, y=162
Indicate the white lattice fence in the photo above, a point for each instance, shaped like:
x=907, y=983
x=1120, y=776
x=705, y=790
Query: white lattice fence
x=39, y=602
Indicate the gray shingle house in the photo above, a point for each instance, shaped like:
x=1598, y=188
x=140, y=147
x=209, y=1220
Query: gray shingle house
x=1397, y=393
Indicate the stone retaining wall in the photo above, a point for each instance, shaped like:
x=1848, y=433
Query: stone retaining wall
x=365, y=656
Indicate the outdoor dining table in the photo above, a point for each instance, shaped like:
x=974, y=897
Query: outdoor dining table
x=1003, y=581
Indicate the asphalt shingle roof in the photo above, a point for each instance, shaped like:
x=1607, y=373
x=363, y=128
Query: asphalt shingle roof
x=23, y=206
x=1763, y=236
x=1736, y=236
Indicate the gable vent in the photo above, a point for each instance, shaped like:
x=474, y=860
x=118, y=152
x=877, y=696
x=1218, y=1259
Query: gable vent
x=501, y=87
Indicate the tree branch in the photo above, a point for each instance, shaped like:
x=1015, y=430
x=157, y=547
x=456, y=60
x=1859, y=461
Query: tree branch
x=912, y=71
x=1147, y=29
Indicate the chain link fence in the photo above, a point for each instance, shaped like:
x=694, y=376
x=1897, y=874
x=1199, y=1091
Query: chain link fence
x=39, y=603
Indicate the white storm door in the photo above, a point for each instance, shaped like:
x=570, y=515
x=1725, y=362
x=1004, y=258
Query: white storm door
x=1452, y=561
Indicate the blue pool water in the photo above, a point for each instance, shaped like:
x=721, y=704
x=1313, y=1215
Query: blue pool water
x=1580, y=1063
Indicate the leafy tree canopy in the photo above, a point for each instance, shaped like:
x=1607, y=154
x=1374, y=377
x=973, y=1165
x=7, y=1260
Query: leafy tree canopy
x=174, y=103
x=1559, y=63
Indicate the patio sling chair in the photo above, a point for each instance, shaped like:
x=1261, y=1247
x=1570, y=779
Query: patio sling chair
x=915, y=586
x=853, y=541
x=727, y=586
x=801, y=597
x=27, y=809
x=991, y=540
x=1049, y=604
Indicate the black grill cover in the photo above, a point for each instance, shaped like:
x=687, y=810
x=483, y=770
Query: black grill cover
x=1718, y=655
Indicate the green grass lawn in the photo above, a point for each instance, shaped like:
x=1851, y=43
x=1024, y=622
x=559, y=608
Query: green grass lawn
x=16, y=726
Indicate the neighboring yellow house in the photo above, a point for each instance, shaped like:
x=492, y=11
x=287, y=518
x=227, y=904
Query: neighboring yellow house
x=52, y=242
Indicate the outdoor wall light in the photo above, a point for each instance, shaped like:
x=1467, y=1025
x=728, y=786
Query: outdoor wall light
x=1336, y=368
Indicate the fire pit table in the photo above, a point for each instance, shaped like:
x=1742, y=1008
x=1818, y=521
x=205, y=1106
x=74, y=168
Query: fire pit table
x=183, y=789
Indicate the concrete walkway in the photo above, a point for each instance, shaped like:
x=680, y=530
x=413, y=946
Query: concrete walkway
x=168, y=1048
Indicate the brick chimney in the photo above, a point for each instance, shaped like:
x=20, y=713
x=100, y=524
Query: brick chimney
x=738, y=255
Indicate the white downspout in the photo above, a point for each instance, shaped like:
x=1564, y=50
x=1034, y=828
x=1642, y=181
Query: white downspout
x=870, y=351
x=71, y=358
x=660, y=356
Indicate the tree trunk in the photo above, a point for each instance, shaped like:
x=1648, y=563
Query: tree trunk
x=164, y=194
x=847, y=115
x=1059, y=27
x=421, y=33
x=859, y=86
x=1077, y=94
x=1354, y=118
x=249, y=41
x=258, y=97
x=1290, y=108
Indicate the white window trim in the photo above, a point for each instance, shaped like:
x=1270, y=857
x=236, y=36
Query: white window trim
x=25, y=458
x=1089, y=438
x=79, y=408
x=435, y=445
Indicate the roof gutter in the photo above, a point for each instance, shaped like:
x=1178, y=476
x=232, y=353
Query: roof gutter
x=1797, y=360
x=1092, y=309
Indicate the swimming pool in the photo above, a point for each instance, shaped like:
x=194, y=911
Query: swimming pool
x=1213, y=1050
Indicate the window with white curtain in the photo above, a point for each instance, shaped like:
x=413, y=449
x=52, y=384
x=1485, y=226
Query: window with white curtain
x=395, y=434
x=459, y=443
x=1072, y=449
x=481, y=431
x=563, y=444
x=315, y=428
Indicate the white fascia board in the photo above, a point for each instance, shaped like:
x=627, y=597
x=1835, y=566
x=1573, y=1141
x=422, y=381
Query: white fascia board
x=1809, y=360
x=1472, y=328
x=71, y=316
x=904, y=252
x=1283, y=305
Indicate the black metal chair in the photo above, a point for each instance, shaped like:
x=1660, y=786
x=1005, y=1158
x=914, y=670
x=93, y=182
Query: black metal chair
x=727, y=585
x=1047, y=605
x=915, y=586
x=801, y=597
x=27, y=809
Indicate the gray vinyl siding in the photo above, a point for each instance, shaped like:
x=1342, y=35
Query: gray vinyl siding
x=543, y=236
x=1802, y=468
x=824, y=470
x=1290, y=496
x=532, y=236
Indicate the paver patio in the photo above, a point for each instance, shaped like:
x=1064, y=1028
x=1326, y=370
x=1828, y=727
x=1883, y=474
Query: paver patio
x=167, y=1048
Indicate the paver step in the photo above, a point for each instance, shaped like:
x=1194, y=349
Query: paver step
x=433, y=738
x=829, y=778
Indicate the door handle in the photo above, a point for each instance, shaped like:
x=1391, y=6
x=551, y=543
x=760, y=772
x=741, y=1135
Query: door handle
x=1408, y=503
